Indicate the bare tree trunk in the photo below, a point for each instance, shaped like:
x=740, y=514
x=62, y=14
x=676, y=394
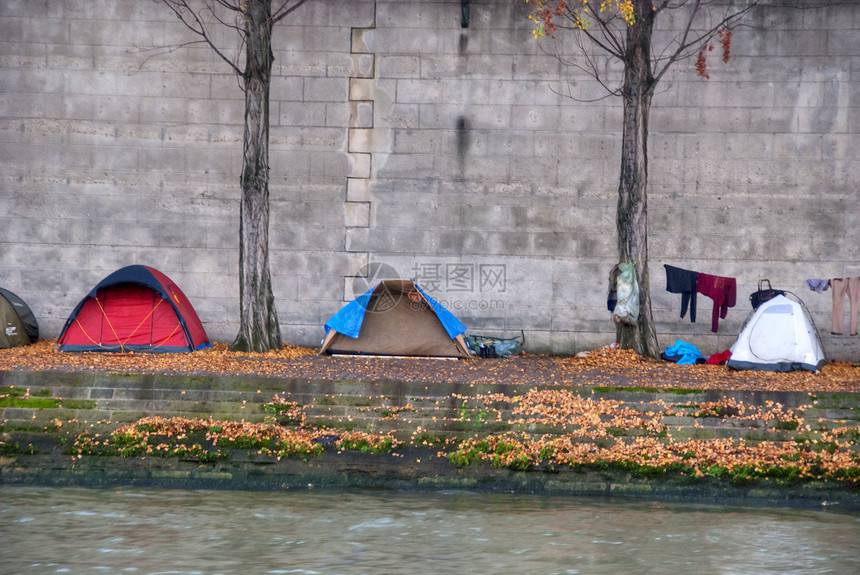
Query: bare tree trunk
x=259, y=329
x=632, y=216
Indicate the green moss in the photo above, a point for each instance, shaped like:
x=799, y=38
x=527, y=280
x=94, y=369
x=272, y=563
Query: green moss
x=517, y=463
x=132, y=451
x=385, y=444
x=10, y=427
x=714, y=411
x=77, y=403
x=849, y=473
x=648, y=470
x=125, y=440
x=850, y=434
x=465, y=457
x=46, y=403
x=429, y=439
x=9, y=448
x=788, y=425
x=30, y=402
x=243, y=442
x=716, y=471
x=610, y=389
x=836, y=400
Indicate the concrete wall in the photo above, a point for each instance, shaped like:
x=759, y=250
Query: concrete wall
x=402, y=141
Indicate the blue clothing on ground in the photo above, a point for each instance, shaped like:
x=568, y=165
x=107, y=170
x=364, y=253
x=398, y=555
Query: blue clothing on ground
x=689, y=353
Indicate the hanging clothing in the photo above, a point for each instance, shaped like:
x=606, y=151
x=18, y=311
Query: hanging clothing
x=818, y=285
x=683, y=282
x=842, y=286
x=724, y=292
x=612, y=293
x=627, y=290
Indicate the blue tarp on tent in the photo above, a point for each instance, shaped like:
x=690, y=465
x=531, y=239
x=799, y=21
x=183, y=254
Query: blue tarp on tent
x=350, y=317
x=452, y=325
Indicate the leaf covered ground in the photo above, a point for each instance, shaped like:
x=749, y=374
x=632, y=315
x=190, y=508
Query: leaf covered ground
x=549, y=427
x=603, y=367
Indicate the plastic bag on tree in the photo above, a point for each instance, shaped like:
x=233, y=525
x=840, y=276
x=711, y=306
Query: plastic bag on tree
x=627, y=292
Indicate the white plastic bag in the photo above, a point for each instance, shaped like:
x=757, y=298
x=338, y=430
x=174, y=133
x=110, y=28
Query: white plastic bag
x=627, y=290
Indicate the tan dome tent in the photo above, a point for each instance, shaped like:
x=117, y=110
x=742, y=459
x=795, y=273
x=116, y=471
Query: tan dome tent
x=397, y=318
x=19, y=326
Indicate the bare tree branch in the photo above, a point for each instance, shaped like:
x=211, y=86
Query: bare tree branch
x=607, y=32
x=285, y=10
x=193, y=21
x=682, y=42
x=229, y=5
x=613, y=34
x=687, y=47
x=156, y=51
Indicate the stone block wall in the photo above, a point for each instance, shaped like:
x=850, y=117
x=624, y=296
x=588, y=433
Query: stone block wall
x=402, y=140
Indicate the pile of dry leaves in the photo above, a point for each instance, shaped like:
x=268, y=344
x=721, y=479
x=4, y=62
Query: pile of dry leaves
x=603, y=367
x=43, y=356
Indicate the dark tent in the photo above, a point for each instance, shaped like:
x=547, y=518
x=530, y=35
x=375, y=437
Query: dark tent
x=18, y=323
x=136, y=308
x=396, y=317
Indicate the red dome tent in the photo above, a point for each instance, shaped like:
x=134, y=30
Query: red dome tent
x=136, y=308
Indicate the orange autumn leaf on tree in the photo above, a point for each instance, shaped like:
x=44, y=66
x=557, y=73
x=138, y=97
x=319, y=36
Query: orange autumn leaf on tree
x=547, y=15
x=725, y=36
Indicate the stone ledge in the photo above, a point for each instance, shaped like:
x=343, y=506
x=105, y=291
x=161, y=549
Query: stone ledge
x=414, y=468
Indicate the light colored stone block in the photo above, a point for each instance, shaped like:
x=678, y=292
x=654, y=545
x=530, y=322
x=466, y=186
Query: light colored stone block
x=360, y=165
x=361, y=114
x=357, y=214
x=358, y=190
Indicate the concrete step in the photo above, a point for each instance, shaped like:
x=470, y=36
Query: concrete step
x=403, y=408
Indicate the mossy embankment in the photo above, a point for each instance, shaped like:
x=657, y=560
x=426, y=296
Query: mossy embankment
x=752, y=447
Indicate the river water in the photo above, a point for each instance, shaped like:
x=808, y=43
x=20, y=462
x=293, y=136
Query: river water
x=146, y=531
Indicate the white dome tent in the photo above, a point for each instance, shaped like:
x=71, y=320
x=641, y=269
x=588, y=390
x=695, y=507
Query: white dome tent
x=778, y=336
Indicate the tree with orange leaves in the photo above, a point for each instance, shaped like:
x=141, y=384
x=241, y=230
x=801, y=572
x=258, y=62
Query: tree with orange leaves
x=622, y=31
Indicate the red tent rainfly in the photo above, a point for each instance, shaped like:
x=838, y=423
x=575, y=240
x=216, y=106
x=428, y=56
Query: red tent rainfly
x=136, y=308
